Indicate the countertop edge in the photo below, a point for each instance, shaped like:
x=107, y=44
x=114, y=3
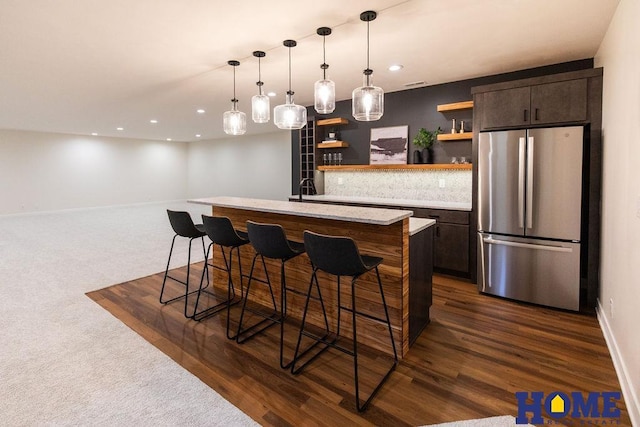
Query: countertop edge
x=211, y=201
x=416, y=225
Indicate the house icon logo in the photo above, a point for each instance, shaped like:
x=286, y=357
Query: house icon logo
x=593, y=407
x=557, y=405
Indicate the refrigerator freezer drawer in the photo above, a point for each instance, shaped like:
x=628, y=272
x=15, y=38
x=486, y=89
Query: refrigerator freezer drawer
x=537, y=271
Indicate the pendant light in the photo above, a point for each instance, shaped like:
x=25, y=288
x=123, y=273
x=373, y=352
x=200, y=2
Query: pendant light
x=260, y=108
x=367, y=101
x=234, y=122
x=324, y=91
x=289, y=115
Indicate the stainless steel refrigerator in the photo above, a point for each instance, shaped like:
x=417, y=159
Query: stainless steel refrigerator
x=529, y=215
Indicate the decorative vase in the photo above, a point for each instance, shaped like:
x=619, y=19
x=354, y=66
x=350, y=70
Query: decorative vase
x=417, y=157
x=427, y=155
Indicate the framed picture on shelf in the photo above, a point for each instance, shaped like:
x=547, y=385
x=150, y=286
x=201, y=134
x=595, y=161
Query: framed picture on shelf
x=388, y=146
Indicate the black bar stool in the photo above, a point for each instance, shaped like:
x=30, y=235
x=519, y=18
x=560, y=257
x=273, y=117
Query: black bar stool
x=269, y=240
x=221, y=232
x=183, y=226
x=339, y=256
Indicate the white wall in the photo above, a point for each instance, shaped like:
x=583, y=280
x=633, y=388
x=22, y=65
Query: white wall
x=619, y=54
x=245, y=166
x=47, y=171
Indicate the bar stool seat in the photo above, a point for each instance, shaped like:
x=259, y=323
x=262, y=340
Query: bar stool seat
x=339, y=256
x=183, y=226
x=270, y=241
x=221, y=232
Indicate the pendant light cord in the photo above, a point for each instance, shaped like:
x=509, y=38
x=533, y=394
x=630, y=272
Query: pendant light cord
x=234, y=100
x=368, y=71
x=259, y=78
x=367, y=44
x=324, y=58
x=289, y=91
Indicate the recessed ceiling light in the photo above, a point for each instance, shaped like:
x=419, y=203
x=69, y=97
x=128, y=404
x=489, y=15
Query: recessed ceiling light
x=198, y=135
x=200, y=111
x=94, y=134
x=119, y=128
x=395, y=67
x=168, y=139
x=271, y=94
x=154, y=121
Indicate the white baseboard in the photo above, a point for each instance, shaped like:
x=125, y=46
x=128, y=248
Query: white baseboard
x=630, y=397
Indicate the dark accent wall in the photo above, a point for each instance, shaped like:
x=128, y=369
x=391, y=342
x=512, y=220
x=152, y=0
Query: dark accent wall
x=417, y=108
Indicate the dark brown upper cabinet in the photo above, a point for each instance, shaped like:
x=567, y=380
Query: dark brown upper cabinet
x=542, y=104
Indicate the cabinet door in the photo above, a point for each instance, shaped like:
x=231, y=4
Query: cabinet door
x=506, y=108
x=452, y=247
x=559, y=102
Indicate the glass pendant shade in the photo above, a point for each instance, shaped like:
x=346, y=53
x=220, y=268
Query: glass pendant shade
x=325, y=96
x=234, y=122
x=290, y=116
x=260, y=108
x=367, y=102
x=260, y=104
x=324, y=90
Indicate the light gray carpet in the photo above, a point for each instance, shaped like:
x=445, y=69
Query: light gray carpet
x=503, y=421
x=66, y=361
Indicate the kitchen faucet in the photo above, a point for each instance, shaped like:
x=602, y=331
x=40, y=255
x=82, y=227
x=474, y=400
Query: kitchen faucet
x=304, y=181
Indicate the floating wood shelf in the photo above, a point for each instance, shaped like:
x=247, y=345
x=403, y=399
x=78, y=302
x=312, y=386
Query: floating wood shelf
x=455, y=136
x=335, y=144
x=332, y=122
x=455, y=106
x=438, y=166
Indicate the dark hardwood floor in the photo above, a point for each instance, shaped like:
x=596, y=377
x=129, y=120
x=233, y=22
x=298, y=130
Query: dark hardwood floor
x=468, y=362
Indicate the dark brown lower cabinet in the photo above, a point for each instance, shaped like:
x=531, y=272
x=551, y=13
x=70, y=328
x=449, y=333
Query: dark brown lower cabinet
x=452, y=247
x=451, y=241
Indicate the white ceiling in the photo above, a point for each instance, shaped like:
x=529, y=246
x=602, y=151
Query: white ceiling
x=94, y=65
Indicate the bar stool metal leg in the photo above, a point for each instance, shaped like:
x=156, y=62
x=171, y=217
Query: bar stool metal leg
x=318, y=340
x=354, y=313
x=185, y=283
x=231, y=294
x=272, y=320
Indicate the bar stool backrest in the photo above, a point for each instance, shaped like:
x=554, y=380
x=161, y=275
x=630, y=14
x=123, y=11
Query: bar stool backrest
x=221, y=231
x=269, y=240
x=337, y=255
x=182, y=224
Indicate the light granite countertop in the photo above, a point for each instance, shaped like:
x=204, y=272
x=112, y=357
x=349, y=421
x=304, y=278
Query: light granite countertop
x=416, y=225
x=390, y=202
x=379, y=216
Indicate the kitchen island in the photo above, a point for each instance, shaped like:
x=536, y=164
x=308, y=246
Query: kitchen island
x=380, y=232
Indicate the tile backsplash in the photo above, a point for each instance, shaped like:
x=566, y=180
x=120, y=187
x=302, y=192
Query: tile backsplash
x=401, y=184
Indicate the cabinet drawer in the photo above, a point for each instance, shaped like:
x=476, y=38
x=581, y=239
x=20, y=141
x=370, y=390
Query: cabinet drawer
x=443, y=215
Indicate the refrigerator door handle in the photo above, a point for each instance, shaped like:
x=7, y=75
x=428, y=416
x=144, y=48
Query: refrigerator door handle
x=530, y=182
x=492, y=241
x=482, y=265
x=521, y=156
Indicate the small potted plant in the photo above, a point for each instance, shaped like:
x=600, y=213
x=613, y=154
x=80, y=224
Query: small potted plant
x=424, y=139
